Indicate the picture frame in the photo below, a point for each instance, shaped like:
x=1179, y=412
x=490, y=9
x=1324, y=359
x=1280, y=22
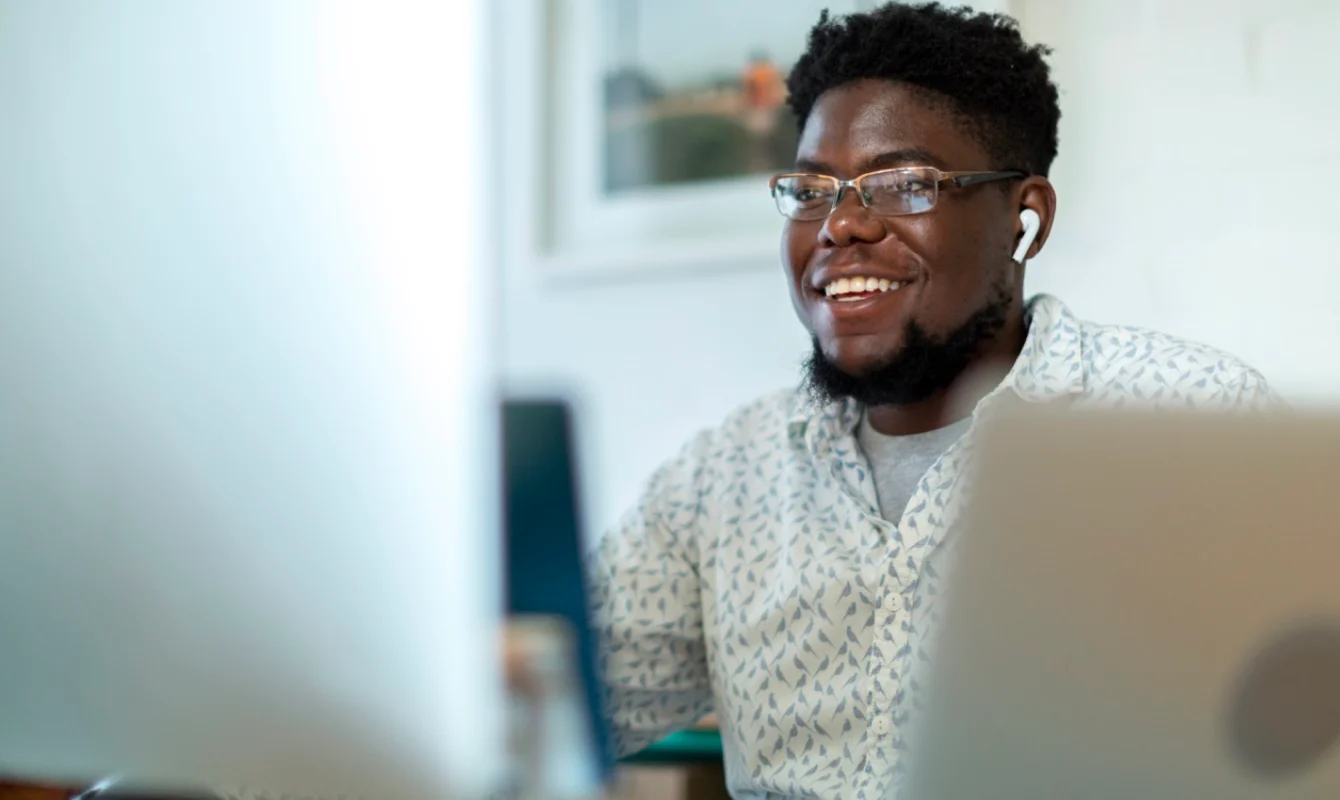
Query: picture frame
x=551, y=58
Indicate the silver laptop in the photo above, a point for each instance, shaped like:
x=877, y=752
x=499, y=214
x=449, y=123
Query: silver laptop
x=1146, y=606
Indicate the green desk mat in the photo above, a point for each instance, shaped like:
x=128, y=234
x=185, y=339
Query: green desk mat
x=680, y=748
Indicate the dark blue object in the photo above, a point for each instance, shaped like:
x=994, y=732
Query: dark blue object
x=544, y=551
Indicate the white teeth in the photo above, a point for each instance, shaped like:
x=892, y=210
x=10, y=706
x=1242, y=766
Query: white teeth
x=860, y=285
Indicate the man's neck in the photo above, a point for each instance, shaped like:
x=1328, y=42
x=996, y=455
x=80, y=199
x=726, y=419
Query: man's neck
x=958, y=400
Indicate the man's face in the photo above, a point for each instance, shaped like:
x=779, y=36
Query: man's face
x=951, y=261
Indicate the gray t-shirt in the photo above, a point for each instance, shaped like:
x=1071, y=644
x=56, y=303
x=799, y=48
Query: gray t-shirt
x=900, y=462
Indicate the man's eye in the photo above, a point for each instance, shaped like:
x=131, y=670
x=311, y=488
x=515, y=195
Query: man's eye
x=807, y=195
x=914, y=186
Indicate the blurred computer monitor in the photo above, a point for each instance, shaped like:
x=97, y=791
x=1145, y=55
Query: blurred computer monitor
x=248, y=431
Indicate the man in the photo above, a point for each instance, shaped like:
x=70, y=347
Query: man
x=780, y=570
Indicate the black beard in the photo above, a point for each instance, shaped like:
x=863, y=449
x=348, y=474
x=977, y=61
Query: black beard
x=922, y=367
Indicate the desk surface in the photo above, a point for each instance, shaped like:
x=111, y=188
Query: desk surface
x=21, y=791
x=701, y=743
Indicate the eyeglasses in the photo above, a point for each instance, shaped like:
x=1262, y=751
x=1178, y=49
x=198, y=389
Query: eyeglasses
x=887, y=192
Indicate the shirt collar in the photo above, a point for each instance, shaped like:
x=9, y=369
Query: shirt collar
x=1049, y=367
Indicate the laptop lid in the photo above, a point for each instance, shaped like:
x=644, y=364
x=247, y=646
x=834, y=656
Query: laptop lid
x=1141, y=606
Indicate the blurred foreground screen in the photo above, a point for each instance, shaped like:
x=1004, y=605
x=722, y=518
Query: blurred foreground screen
x=248, y=425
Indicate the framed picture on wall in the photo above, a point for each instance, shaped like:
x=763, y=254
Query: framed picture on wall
x=639, y=134
x=653, y=128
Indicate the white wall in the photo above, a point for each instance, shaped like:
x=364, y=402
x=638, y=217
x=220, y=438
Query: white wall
x=1196, y=181
x=1198, y=175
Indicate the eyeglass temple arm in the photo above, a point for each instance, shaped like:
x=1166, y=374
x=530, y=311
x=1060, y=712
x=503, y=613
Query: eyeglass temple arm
x=965, y=179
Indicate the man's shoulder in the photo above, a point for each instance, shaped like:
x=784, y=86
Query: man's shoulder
x=1130, y=361
x=764, y=419
x=754, y=431
x=754, y=434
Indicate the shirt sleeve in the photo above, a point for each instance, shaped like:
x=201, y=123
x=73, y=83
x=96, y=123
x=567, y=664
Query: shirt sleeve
x=648, y=609
x=1255, y=394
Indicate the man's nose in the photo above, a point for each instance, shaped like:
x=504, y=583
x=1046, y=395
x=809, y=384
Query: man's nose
x=850, y=221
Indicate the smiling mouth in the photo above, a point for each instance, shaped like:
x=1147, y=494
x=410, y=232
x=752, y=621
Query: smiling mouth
x=847, y=290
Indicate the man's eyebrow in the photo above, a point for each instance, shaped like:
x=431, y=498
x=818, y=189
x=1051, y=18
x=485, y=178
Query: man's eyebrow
x=810, y=165
x=903, y=157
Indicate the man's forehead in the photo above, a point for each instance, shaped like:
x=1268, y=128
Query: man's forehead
x=859, y=122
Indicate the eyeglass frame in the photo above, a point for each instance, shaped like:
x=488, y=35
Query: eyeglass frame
x=959, y=179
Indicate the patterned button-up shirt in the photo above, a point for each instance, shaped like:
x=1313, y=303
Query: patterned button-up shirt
x=757, y=579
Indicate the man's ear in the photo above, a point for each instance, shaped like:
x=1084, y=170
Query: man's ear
x=1036, y=194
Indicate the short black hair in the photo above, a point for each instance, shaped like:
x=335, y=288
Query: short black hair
x=979, y=62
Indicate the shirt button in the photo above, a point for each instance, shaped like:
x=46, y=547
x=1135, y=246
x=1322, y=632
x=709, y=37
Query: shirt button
x=892, y=602
x=881, y=726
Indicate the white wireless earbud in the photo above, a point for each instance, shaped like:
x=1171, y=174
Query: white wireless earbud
x=1032, y=223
